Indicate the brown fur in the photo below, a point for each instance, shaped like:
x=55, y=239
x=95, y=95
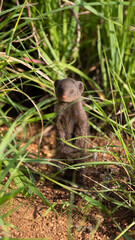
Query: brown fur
x=71, y=120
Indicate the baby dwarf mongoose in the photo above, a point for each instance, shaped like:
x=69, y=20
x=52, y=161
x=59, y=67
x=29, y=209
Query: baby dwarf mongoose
x=71, y=121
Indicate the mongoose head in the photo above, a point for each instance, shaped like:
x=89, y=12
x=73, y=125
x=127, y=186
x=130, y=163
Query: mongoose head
x=68, y=90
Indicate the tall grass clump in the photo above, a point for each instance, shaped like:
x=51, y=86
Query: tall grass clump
x=89, y=40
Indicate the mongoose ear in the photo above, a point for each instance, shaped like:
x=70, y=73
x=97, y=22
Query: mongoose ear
x=80, y=86
x=56, y=83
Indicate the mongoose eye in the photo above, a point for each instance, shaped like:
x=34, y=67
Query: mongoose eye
x=71, y=91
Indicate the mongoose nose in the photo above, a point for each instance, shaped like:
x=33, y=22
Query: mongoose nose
x=63, y=97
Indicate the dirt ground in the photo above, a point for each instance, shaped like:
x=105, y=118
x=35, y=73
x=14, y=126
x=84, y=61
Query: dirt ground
x=33, y=219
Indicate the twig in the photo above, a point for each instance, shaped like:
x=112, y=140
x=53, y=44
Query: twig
x=24, y=39
x=35, y=34
x=83, y=13
x=68, y=2
x=93, y=68
x=59, y=3
x=17, y=2
x=78, y=29
x=1, y=4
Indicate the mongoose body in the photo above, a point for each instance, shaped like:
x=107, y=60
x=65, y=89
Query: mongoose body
x=71, y=120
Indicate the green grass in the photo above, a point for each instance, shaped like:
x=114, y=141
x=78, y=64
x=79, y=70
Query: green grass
x=67, y=40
